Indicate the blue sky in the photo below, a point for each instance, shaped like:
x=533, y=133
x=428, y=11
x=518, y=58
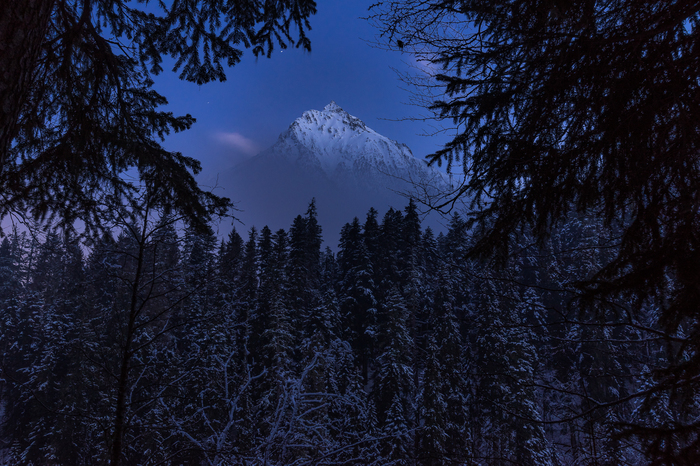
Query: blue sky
x=261, y=97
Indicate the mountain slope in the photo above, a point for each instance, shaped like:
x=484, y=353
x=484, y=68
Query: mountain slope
x=334, y=157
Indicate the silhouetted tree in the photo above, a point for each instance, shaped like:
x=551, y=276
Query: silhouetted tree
x=77, y=107
x=546, y=128
x=357, y=295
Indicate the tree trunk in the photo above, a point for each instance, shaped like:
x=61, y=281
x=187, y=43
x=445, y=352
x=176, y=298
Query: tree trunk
x=23, y=28
x=125, y=364
x=123, y=383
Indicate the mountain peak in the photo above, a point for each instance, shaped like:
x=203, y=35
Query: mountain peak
x=332, y=156
x=332, y=107
x=335, y=140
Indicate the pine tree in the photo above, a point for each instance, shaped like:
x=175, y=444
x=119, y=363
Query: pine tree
x=304, y=277
x=395, y=447
x=248, y=295
x=432, y=412
x=390, y=247
x=228, y=284
x=450, y=369
x=10, y=261
x=352, y=423
x=410, y=240
x=357, y=295
x=77, y=112
x=549, y=131
x=371, y=233
x=507, y=361
x=199, y=266
x=271, y=292
x=279, y=333
x=430, y=256
x=48, y=366
x=393, y=390
x=453, y=249
x=138, y=339
x=413, y=285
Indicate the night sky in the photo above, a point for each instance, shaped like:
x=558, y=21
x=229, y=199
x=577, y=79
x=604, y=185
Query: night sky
x=238, y=118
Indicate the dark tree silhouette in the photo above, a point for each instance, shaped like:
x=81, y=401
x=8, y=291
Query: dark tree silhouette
x=77, y=108
x=151, y=349
x=577, y=106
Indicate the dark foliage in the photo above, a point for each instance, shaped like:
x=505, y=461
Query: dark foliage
x=576, y=106
x=77, y=109
x=156, y=349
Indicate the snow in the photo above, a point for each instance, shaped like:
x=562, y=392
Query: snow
x=341, y=141
x=337, y=159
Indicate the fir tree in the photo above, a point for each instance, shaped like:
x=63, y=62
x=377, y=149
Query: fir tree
x=394, y=372
x=507, y=361
x=390, y=247
x=67, y=138
x=432, y=412
x=357, y=295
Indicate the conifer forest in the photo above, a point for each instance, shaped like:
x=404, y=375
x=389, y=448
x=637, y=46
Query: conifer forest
x=550, y=319
x=163, y=345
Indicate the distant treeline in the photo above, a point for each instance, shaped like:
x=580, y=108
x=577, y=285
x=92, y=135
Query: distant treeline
x=162, y=346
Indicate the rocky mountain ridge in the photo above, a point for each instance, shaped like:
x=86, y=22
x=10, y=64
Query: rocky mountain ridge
x=333, y=157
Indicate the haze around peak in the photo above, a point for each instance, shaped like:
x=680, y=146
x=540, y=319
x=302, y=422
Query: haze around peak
x=333, y=157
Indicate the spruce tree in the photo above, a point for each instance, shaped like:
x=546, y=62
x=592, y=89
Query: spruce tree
x=393, y=383
x=78, y=112
x=432, y=434
x=507, y=361
x=357, y=295
x=548, y=130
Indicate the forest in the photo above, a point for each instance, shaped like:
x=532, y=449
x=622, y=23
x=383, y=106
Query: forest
x=160, y=344
x=555, y=322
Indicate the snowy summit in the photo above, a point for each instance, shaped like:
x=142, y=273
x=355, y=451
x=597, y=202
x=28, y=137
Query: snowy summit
x=340, y=141
x=333, y=157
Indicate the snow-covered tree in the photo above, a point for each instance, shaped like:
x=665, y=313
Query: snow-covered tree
x=356, y=295
x=394, y=382
x=507, y=360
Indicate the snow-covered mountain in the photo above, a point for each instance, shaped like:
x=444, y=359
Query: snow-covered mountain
x=334, y=157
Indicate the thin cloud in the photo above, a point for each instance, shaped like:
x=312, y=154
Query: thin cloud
x=238, y=141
